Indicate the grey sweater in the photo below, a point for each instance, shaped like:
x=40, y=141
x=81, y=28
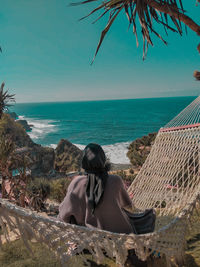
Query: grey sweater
x=108, y=215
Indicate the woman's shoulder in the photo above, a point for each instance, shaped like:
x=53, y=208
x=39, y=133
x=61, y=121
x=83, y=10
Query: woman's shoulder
x=77, y=182
x=79, y=179
x=115, y=179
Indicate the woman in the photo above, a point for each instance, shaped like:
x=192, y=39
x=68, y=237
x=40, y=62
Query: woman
x=96, y=199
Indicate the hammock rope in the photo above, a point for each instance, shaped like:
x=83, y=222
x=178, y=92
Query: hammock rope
x=187, y=118
x=168, y=181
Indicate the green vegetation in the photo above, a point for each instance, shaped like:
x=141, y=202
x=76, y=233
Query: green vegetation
x=148, y=16
x=6, y=150
x=39, y=189
x=67, y=157
x=14, y=131
x=15, y=254
x=59, y=189
x=193, y=241
x=139, y=149
x=5, y=99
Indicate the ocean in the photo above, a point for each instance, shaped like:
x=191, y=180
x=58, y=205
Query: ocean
x=114, y=124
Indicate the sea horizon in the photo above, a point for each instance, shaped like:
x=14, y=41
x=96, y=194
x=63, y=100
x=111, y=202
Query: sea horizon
x=107, y=99
x=114, y=124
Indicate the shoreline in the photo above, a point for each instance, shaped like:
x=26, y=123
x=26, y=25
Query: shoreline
x=113, y=125
x=120, y=166
x=116, y=152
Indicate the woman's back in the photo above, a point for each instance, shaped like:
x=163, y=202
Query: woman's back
x=97, y=199
x=108, y=215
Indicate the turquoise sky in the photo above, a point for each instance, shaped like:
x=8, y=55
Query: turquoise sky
x=47, y=54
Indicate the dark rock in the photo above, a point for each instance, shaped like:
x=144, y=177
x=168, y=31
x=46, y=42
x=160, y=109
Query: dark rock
x=25, y=125
x=43, y=160
x=67, y=157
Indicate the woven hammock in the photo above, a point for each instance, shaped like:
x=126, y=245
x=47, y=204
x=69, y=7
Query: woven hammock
x=168, y=181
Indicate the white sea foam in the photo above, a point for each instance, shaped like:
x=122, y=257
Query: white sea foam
x=53, y=146
x=116, y=152
x=40, y=128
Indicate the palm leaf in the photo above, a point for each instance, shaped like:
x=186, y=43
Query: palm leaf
x=139, y=11
x=104, y=32
x=5, y=99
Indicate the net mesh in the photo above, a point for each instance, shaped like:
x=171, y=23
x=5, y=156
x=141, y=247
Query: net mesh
x=190, y=116
x=168, y=181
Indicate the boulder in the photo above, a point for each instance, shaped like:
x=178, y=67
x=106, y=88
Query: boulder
x=67, y=157
x=42, y=160
x=25, y=125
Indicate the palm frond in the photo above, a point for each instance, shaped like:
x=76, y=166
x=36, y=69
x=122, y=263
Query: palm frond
x=5, y=99
x=147, y=13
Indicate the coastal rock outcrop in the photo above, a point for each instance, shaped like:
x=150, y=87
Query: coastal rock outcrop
x=15, y=131
x=67, y=157
x=25, y=125
x=139, y=149
x=42, y=158
x=13, y=115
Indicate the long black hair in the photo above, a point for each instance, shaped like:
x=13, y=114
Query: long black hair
x=96, y=166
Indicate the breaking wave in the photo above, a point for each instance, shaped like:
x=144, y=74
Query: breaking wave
x=40, y=128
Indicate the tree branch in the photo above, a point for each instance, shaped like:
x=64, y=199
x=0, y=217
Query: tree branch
x=169, y=10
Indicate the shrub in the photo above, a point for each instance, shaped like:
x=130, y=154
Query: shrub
x=59, y=188
x=38, y=191
x=139, y=149
x=39, y=187
x=15, y=254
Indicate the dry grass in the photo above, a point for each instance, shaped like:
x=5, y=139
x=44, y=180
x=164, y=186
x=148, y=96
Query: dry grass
x=15, y=254
x=193, y=243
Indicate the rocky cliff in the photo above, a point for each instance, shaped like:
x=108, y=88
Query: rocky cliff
x=27, y=127
x=13, y=115
x=24, y=123
x=42, y=158
x=67, y=157
x=15, y=131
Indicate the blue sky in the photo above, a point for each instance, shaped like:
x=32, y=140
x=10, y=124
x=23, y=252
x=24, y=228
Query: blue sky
x=47, y=54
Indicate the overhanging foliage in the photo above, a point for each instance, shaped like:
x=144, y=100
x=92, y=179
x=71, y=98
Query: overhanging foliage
x=149, y=13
